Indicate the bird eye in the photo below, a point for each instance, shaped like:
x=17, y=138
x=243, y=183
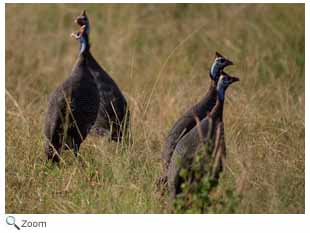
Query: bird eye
x=221, y=60
x=226, y=80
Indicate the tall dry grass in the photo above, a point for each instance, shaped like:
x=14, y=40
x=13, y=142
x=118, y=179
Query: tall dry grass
x=159, y=55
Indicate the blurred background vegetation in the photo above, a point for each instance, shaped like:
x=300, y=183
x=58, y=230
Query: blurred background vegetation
x=159, y=55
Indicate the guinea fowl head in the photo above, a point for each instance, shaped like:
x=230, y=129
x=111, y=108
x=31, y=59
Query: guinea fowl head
x=220, y=62
x=83, y=22
x=223, y=82
x=82, y=19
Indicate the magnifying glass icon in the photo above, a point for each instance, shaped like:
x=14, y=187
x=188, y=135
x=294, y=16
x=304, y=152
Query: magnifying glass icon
x=10, y=220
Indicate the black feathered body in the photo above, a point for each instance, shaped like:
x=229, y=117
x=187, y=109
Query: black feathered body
x=72, y=110
x=113, y=110
x=188, y=121
x=206, y=139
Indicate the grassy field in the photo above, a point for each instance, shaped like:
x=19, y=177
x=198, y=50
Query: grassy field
x=159, y=55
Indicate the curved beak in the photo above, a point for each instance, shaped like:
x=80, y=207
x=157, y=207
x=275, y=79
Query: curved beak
x=229, y=63
x=234, y=79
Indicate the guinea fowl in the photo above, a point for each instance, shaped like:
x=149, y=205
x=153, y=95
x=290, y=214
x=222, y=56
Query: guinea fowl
x=72, y=107
x=113, y=116
x=198, y=111
x=207, y=138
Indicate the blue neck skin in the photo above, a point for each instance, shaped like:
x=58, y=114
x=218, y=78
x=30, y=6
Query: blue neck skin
x=83, y=45
x=84, y=39
x=220, y=92
x=87, y=28
x=215, y=71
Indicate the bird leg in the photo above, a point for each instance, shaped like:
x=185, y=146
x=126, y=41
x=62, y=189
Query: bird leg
x=52, y=153
x=75, y=148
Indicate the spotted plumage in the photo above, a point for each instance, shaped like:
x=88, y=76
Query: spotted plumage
x=72, y=107
x=207, y=135
x=113, y=117
x=185, y=123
